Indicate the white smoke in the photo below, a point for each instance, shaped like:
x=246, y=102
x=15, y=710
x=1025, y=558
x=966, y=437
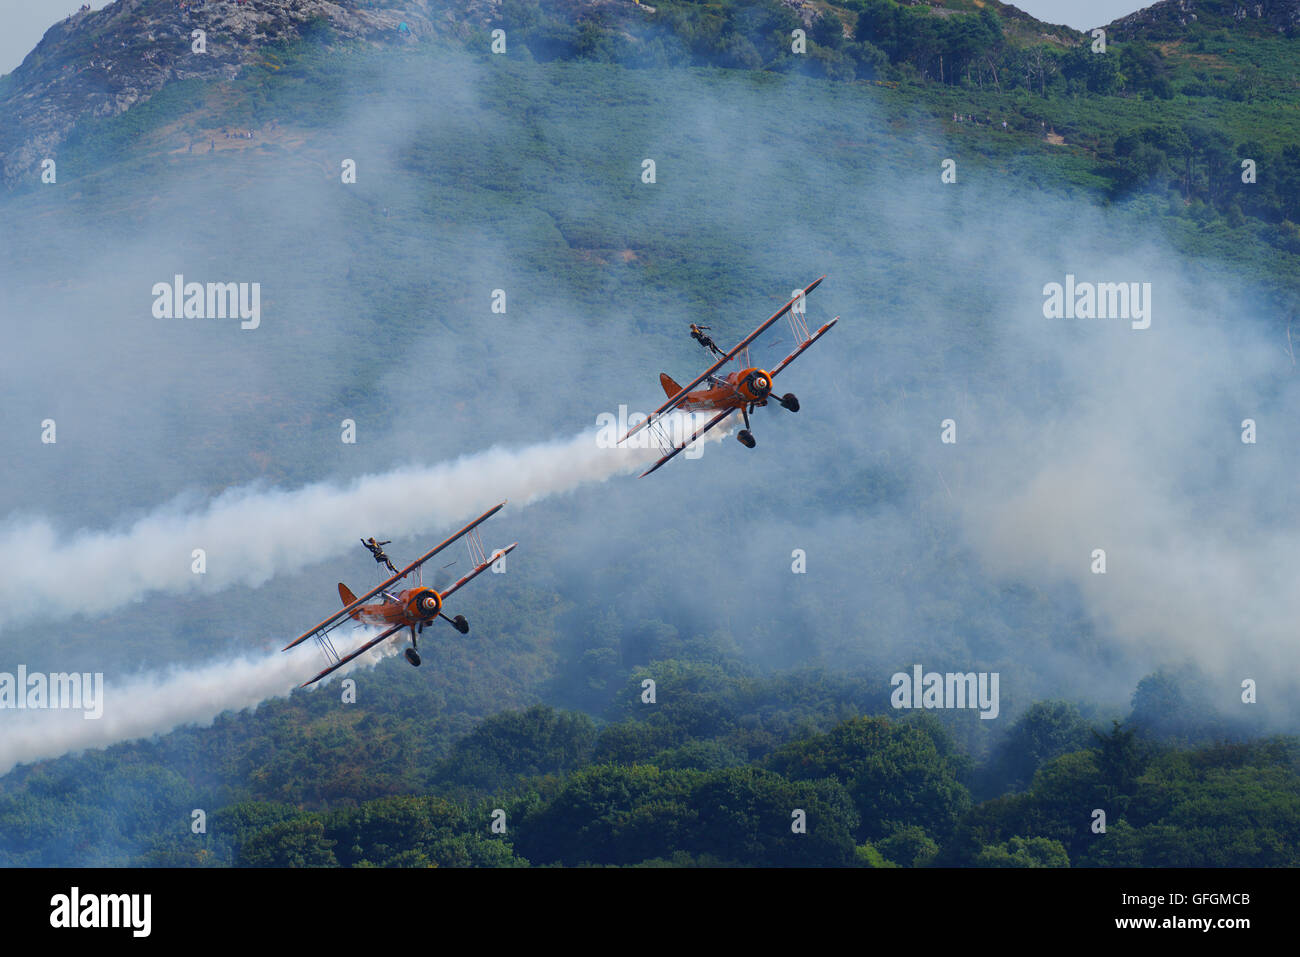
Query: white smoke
x=250, y=534
x=157, y=702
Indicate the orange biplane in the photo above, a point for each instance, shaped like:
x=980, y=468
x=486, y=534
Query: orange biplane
x=744, y=389
x=413, y=606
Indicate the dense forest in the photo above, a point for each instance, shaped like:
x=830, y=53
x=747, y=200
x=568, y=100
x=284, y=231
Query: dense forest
x=716, y=772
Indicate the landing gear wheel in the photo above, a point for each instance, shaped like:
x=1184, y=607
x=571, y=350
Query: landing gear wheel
x=413, y=657
x=746, y=438
x=788, y=401
x=461, y=624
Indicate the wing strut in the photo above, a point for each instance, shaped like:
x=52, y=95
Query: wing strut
x=804, y=345
x=695, y=435
x=360, y=651
x=479, y=569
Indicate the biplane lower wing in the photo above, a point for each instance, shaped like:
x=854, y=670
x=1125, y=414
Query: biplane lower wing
x=698, y=432
x=324, y=627
x=804, y=345
x=360, y=651
x=677, y=399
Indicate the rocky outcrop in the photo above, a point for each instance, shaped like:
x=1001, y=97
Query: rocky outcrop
x=804, y=10
x=102, y=62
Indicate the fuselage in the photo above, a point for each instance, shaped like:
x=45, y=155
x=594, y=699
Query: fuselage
x=411, y=606
x=747, y=387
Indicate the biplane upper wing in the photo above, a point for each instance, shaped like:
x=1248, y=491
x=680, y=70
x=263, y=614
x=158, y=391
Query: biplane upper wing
x=685, y=390
x=360, y=651
x=478, y=570
x=335, y=619
x=804, y=345
x=698, y=432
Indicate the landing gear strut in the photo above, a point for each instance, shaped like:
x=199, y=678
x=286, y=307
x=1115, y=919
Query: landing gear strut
x=412, y=655
x=744, y=436
x=459, y=623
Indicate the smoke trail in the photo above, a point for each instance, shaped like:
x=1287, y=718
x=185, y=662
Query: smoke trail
x=157, y=702
x=250, y=534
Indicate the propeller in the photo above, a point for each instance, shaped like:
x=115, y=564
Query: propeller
x=759, y=385
x=442, y=578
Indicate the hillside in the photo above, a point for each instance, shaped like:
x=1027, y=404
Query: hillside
x=1182, y=88
x=101, y=63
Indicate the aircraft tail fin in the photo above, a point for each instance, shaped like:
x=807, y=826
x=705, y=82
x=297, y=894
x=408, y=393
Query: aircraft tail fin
x=671, y=388
x=348, y=598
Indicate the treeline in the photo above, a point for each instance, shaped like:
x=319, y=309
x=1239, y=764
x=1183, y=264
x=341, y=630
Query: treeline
x=873, y=39
x=1205, y=167
x=801, y=769
x=872, y=791
x=745, y=35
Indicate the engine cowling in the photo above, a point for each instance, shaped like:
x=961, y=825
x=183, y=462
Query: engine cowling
x=424, y=604
x=758, y=384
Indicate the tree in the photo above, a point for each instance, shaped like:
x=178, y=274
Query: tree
x=1045, y=731
x=519, y=744
x=1121, y=758
x=894, y=774
x=296, y=843
x=909, y=846
x=1040, y=66
x=1024, y=852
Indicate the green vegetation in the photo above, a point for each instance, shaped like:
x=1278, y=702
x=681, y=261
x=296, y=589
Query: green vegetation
x=1161, y=123
x=309, y=783
x=1174, y=110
